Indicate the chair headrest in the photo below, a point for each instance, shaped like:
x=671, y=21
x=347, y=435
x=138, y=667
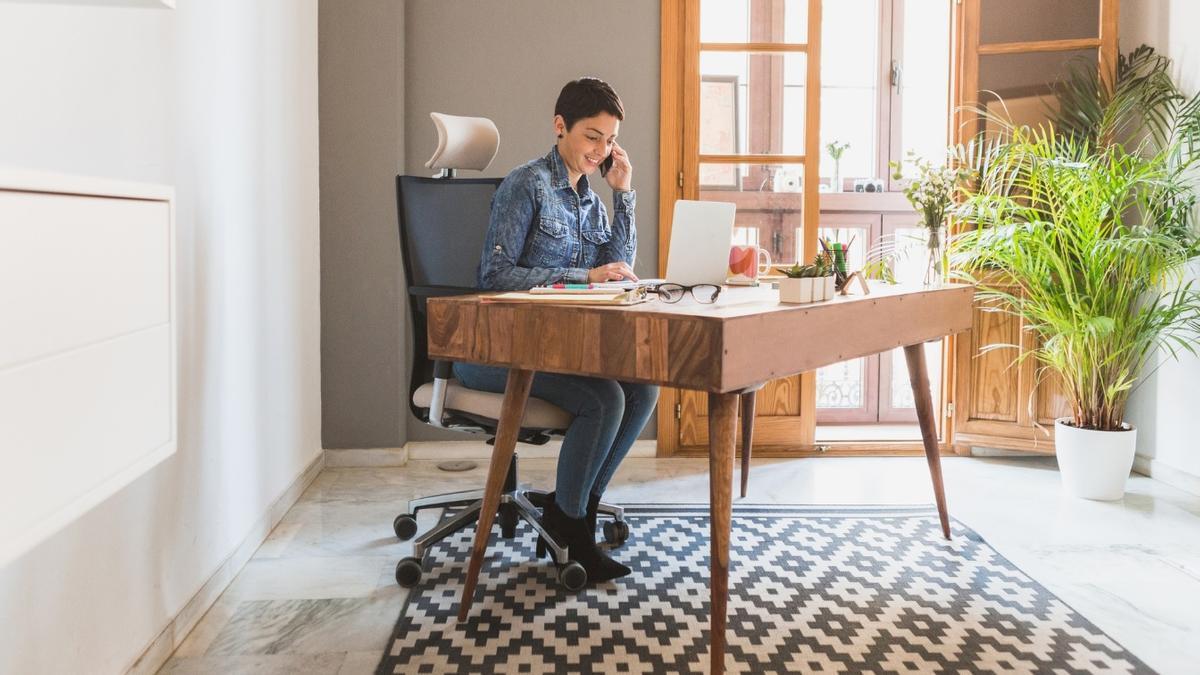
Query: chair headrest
x=464, y=142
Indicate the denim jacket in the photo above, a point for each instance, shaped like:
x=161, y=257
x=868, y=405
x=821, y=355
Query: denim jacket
x=543, y=232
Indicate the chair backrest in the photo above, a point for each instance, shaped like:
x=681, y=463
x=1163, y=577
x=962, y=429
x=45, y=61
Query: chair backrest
x=463, y=142
x=443, y=222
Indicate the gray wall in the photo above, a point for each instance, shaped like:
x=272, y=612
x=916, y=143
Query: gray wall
x=363, y=381
x=507, y=61
x=384, y=66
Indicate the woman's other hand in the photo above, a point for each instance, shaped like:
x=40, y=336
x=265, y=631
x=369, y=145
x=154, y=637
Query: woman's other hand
x=620, y=176
x=615, y=271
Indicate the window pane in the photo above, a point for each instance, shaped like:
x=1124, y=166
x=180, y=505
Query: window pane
x=768, y=199
x=756, y=105
x=850, y=86
x=848, y=116
x=724, y=20
x=731, y=21
x=850, y=43
x=795, y=21
x=910, y=254
x=925, y=81
x=715, y=68
x=841, y=385
x=901, y=394
x=1030, y=20
x=1023, y=81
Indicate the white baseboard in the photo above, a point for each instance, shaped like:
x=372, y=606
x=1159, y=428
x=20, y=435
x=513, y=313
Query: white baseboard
x=1165, y=473
x=365, y=457
x=165, y=644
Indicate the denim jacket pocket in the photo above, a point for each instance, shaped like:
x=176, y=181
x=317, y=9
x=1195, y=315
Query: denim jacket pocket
x=550, y=226
x=551, y=245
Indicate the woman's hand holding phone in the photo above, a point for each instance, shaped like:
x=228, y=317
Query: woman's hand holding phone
x=620, y=173
x=615, y=271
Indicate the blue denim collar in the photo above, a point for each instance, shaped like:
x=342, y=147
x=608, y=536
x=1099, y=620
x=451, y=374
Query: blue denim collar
x=559, y=178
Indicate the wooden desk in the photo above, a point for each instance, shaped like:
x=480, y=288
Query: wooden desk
x=726, y=348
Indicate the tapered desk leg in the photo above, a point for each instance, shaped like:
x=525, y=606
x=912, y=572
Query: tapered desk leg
x=516, y=393
x=918, y=377
x=747, y=436
x=722, y=438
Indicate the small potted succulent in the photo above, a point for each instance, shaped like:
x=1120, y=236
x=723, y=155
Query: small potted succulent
x=807, y=283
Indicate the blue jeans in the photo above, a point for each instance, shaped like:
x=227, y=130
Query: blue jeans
x=609, y=415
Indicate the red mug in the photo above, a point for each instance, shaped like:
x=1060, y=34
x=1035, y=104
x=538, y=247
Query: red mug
x=746, y=263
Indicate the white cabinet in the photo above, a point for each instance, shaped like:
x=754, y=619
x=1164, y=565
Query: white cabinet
x=87, y=346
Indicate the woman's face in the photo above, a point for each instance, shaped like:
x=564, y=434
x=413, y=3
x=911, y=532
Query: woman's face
x=585, y=145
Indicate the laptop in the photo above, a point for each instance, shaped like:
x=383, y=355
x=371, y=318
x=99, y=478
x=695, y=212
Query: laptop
x=701, y=234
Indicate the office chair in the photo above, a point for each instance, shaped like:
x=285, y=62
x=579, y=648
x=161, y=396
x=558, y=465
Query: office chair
x=443, y=222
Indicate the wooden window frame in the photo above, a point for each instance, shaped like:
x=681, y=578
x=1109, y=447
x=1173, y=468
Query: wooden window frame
x=679, y=159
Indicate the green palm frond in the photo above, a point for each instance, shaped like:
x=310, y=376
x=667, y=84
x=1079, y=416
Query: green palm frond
x=1081, y=239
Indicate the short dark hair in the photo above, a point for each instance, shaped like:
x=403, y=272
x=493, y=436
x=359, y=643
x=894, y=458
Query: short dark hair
x=587, y=97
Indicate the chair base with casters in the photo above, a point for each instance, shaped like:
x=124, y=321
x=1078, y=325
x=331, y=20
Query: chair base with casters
x=516, y=503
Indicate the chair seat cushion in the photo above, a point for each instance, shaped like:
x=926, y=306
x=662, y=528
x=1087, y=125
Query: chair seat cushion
x=538, y=413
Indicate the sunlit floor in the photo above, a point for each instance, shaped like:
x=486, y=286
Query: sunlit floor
x=319, y=595
x=838, y=433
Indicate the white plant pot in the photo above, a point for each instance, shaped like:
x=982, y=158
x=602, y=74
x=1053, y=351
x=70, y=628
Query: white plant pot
x=796, y=291
x=1094, y=464
x=829, y=287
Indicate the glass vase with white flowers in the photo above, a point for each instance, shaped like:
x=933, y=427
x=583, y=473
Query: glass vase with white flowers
x=931, y=189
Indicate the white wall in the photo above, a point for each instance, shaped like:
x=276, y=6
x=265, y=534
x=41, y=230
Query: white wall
x=1164, y=408
x=219, y=98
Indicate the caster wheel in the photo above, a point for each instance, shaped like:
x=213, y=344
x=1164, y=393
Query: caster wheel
x=405, y=526
x=408, y=572
x=616, y=532
x=572, y=576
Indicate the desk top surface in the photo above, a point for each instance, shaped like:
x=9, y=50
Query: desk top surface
x=745, y=338
x=734, y=302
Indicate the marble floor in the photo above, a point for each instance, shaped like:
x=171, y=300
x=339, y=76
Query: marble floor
x=318, y=597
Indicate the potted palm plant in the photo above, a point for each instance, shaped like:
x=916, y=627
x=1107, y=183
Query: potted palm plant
x=1086, y=241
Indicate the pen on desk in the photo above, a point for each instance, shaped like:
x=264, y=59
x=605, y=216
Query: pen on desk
x=573, y=287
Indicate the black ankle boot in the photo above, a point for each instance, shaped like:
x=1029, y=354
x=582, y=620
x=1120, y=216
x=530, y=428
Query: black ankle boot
x=580, y=543
x=593, y=507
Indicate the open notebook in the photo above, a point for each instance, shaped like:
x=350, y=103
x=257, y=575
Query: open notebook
x=590, y=297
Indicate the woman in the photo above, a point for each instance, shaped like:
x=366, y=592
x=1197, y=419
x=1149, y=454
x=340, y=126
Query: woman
x=548, y=226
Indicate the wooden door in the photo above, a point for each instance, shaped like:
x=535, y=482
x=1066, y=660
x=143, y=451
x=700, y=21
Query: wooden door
x=1007, y=53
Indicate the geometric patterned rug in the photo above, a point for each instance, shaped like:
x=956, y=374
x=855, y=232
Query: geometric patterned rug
x=812, y=590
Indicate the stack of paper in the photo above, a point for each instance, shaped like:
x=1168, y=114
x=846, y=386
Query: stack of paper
x=573, y=296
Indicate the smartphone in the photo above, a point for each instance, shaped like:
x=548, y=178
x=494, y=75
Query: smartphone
x=606, y=165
